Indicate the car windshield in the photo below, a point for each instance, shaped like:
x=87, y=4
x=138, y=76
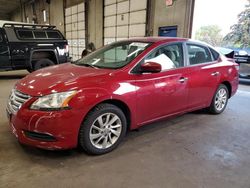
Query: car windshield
x=114, y=56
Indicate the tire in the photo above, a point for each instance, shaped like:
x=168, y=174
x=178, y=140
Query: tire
x=43, y=63
x=30, y=70
x=100, y=132
x=220, y=100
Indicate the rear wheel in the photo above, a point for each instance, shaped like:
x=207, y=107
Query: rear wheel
x=43, y=63
x=103, y=129
x=220, y=100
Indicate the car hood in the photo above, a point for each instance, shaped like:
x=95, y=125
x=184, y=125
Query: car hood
x=62, y=78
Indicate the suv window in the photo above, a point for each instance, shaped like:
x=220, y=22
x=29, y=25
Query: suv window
x=198, y=54
x=1, y=39
x=40, y=34
x=53, y=35
x=169, y=56
x=25, y=34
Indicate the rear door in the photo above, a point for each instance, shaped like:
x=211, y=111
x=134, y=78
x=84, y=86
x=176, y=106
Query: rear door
x=204, y=75
x=4, y=52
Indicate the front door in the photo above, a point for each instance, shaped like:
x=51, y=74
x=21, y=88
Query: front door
x=164, y=93
x=4, y=52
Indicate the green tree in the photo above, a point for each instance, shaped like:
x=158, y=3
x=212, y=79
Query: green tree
x=240, y=32
x=210, y=34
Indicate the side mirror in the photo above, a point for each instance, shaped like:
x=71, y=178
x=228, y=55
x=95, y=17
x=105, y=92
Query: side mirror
x=151, y=67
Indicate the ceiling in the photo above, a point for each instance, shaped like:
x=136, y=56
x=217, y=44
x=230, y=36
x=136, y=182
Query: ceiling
x=8, y=6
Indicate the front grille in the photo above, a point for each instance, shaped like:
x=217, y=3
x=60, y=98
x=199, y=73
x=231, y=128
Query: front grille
x=39, y=136
x=16, y=100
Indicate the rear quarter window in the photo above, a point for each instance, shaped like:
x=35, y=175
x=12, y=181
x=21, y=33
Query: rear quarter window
x=215, y=54
x=54, y=35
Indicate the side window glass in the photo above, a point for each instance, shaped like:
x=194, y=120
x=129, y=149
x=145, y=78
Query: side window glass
x=1, y=39
x=53, y=35
x=169, y=57
x=40, y=34
x=198, y=54
x=215, y=54
x=25, y=34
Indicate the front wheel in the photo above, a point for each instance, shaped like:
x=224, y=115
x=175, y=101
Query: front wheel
x=220, y=100
x=103, y=129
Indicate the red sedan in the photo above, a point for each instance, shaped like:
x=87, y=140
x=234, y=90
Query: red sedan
x=122, y=86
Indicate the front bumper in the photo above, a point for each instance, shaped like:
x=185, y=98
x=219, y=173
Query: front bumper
x=52, y=130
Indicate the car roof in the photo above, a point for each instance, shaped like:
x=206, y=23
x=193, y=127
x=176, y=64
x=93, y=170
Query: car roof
x=161, y=40
x=158, y=39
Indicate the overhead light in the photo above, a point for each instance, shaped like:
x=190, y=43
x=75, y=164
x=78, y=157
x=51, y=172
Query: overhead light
x=44, y=16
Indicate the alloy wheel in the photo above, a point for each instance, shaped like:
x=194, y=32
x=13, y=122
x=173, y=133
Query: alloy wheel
x=105, y=130
x=221, y=99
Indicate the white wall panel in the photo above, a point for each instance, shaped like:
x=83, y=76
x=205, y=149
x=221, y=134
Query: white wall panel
x=68, y=11
x=110, y=32
x=68, y=35
x=109, y=40
x=81, y=34
x=137, y=30
x=81, y=25
x=122, y=19
x=68, y=27
x=122, y=31
x=137, y=17
x=138, y=5
x=110, y=10
x=74, y=26
x=123, y=7
x=118, y=39
x=74, y=9
x=74, y=18
x=110, y=21
x=81, y=7
x=108, y=2
x=74, y=43
x=68, y=19
x=81, y=16
x=81, y=42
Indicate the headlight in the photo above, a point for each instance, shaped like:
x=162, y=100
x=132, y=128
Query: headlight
x=55, y=101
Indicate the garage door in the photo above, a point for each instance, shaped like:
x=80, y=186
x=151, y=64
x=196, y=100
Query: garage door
x=124, y=19
x=75, y=29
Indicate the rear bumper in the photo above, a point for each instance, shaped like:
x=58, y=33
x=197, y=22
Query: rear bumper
x=47, y=130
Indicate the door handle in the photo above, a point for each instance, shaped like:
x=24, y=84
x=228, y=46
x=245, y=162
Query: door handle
x=215, y=74
x=183, y=79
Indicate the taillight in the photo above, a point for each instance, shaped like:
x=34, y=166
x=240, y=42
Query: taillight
x=66, y=48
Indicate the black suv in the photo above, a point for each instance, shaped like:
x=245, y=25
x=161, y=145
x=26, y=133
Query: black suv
x=31, y=47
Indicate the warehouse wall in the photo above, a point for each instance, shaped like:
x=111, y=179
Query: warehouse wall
x=95, y=22
x=40, y=5
x=180, y=14
x=55, y=14
x=104, y=23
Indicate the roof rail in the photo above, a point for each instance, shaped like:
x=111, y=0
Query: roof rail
x=33, y=26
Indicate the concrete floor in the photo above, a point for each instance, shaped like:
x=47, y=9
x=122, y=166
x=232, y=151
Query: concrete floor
x=194, y=150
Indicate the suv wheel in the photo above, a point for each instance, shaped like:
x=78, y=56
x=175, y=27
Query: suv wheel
x=103, y=129
x=43, y=63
